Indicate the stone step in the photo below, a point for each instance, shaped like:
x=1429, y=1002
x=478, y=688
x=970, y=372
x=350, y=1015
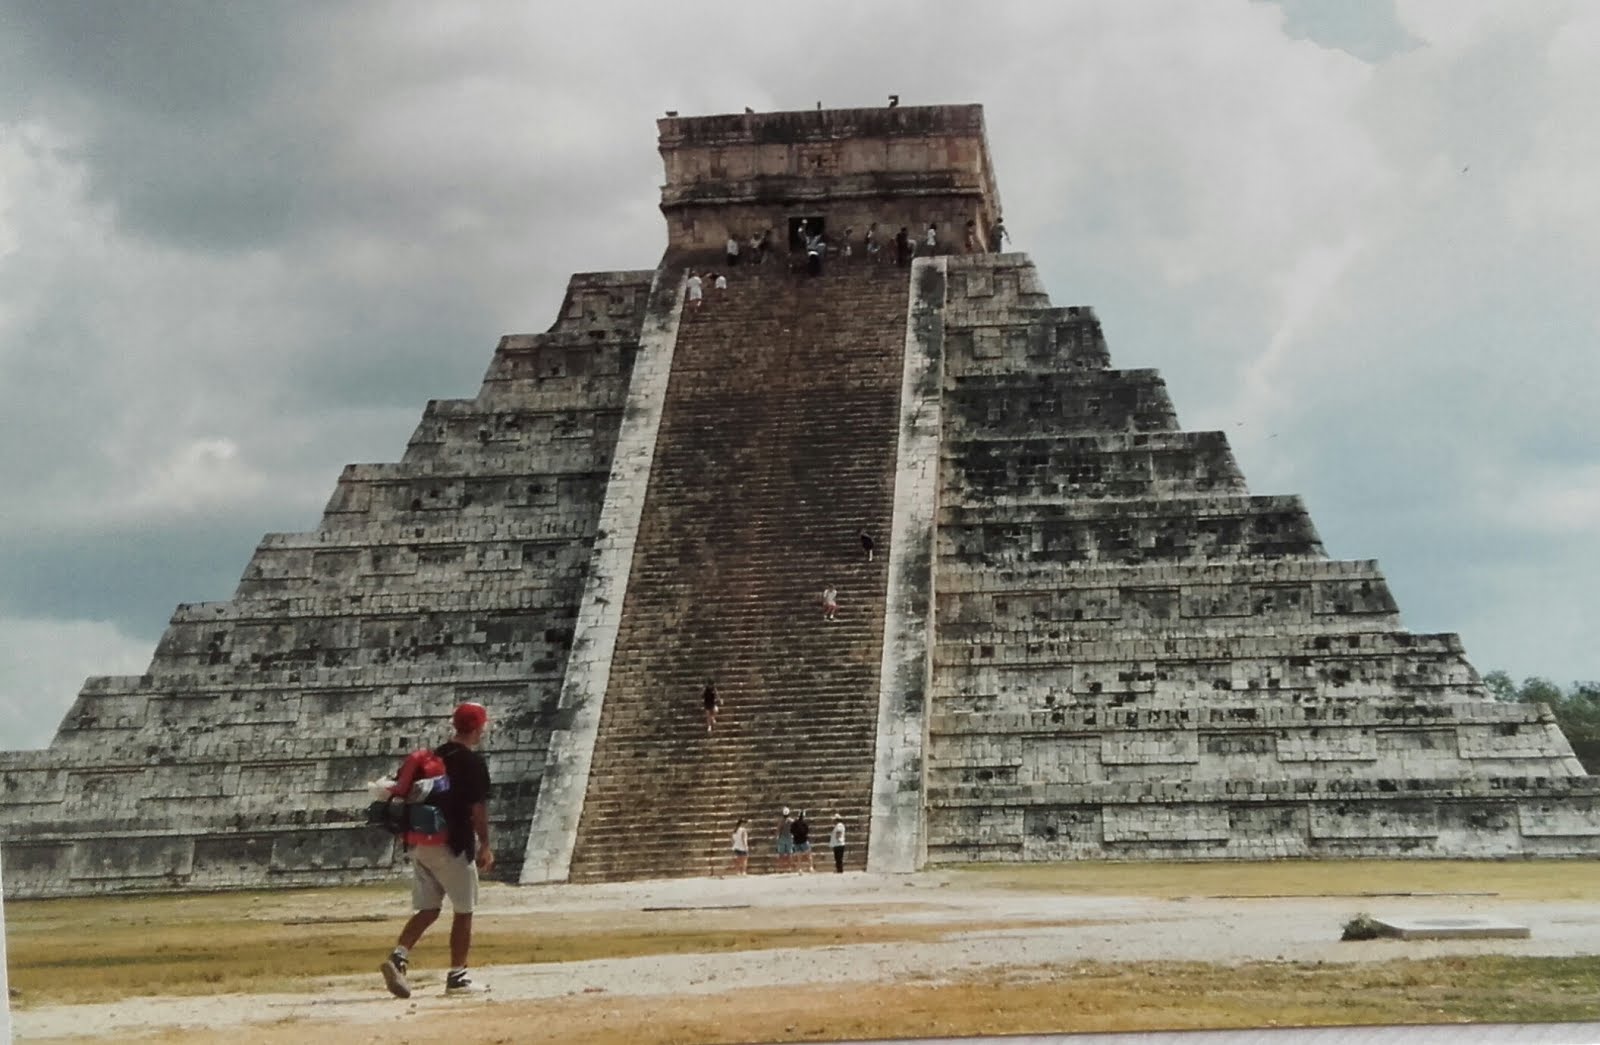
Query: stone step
x=776, y=445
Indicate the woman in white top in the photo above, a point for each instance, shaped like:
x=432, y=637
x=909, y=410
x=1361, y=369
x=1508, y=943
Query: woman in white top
x=741, y=849
x=836, y=839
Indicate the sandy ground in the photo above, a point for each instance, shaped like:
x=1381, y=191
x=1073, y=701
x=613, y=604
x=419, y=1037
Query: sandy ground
x=1029, y=929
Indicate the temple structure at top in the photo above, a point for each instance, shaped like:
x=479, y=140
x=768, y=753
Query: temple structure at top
x=835, y=169
x=1064, y=628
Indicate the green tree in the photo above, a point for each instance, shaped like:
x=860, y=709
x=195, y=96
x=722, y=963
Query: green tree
x=1501, y=686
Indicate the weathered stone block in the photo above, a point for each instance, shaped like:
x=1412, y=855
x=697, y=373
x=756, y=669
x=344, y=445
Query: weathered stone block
x=1165, y=823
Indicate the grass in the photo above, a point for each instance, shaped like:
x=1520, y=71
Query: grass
x=1080, y=997
x=1513, y=880
x=103, y=950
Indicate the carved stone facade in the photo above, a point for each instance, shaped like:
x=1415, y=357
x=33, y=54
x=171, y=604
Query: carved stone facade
x=1093, y=641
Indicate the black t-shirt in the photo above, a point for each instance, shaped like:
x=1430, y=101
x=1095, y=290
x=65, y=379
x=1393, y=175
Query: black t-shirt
x=469, y=785
x=710, y=697
x=801, y=831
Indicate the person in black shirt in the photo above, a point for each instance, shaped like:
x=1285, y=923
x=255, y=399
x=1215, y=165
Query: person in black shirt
x=866, y=544
x=448, y=864
x=801, y=831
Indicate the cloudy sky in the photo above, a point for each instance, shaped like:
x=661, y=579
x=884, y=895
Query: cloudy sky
x=242, y=244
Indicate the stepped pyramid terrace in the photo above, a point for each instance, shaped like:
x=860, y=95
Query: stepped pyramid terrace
x=1081, y=635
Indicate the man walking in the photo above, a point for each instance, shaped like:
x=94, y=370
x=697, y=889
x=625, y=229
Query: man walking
x=448, y=864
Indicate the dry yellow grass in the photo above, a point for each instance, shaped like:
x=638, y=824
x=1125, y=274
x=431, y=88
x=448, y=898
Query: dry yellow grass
x=87, y=951
x=1081, y=997
x=109, y=948
x=1516, y=880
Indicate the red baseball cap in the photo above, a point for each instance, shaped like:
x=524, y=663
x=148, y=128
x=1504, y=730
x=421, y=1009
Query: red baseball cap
x=469, y=718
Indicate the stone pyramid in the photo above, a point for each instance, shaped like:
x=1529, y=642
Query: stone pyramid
x=1079, y=636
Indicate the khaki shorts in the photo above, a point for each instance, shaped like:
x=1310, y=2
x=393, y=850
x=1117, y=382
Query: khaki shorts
x=436, y=873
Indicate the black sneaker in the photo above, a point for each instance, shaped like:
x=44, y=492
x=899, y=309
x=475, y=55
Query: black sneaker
x=461, y=983
x=394, y=975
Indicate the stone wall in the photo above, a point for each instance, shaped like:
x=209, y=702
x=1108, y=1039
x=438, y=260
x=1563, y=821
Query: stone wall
x=1136, y=658
x=743, y=173
x=239, y=758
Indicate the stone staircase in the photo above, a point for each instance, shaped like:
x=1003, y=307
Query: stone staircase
x=777, y=445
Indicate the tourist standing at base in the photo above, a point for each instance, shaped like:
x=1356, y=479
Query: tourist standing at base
x=836, y=840
x=845, y=247
x=872, y=244
x=447, y=865
x=902, y=247
x=801, y=831
x=712, y=703
x=931, y=237
x=972, y=237
x=830, y=602
x=741, y=848
x=764, y=247
x=785, y=840
x=732, y=250
x=696, y=290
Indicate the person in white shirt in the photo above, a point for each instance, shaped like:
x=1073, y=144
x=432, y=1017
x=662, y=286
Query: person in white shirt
x=931, y=237
x=733, y=250
x=836, y=840
x=696, y=290
x=741, y=848
x=722, y=282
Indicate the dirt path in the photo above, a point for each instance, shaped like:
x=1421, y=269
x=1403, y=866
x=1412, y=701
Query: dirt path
x=1023, y=929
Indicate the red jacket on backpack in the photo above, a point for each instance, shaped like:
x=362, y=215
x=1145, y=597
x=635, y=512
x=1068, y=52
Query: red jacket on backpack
x=419, y=765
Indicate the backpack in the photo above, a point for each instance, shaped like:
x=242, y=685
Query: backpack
x=410, y=805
